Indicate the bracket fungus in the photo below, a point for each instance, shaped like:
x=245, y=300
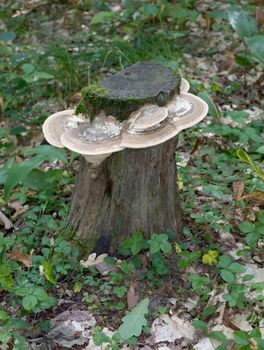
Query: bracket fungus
x=148, y=126
x=143, y=106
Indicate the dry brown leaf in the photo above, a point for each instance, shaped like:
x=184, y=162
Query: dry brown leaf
x=198, y=144
x=18, y=255
x=1, y=105
x=19, y=209
x=238, y=188
x=132, y=297
x=4, y=219
x=257, y=197
x=145, y=262
x=260, y=15
x=76, y=98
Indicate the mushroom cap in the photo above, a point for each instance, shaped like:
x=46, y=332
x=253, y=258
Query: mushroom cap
x=185, y=86
x=147, y=116
x=186, y=110
x=195, y=110
x=55, y=125
x=98, y=138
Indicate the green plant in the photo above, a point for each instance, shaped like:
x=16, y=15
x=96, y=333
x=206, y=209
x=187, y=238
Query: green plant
x=229, y=269
x=253, y=231
x=10, y=330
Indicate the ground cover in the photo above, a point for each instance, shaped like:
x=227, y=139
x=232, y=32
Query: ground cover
x=204, y=291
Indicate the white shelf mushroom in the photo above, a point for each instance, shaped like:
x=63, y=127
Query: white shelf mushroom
x=146, y=117
x=148, y=126
x=185, y=86
x=55, y=125
x=183, y=112
x=95, y=141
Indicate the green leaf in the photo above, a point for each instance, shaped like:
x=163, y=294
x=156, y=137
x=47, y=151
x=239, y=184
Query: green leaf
x=241, y=338
x=120, y=291
x=236, y=268
x=213, y=109
x=225, y=261
x=246, y=158
x=242, y=23
x=29, y=302
x=199, y=324
x=261, y=148
x=7, y=36
x=136, y=242
x=48, y=271
x=77, y=287
x=227, y=276
x=51, y=153
x=217, y=335
x=159, y=243
x=19, y=172
x=28, y=68
x=256, y=46
x=134, y=320
x=3, y=316
x=246, y=227
x=252, y=238
x=102, y=17
x=43, y=75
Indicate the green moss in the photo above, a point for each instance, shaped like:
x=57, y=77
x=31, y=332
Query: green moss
x=97, y=98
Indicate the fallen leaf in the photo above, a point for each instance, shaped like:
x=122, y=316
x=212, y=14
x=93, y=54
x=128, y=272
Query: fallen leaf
x=4, y=219
x=198, y=143
x=228, y=239
x=253, y=343
x=132, y=297
x=18, y=255
x=260, y=15
x=19, y=209
x=1, y=105
x=238, y=188
x=76, y=97
x=145, y=262
x=257, y=197
x=93, y=260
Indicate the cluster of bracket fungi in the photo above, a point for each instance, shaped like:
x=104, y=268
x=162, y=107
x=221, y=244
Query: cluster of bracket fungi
x=148, y=126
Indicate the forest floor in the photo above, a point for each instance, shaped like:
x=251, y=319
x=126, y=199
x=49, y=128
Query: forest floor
x=203, y=292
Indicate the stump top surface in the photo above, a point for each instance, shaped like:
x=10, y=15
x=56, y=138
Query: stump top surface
x=143, y=80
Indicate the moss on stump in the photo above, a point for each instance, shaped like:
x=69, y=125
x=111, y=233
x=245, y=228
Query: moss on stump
x=126, y=91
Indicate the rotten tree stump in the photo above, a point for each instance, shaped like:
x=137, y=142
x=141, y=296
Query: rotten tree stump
x=134, y=189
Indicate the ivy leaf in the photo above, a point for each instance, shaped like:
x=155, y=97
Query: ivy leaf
x=134, y=321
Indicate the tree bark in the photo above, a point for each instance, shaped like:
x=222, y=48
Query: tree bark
x=131, y=190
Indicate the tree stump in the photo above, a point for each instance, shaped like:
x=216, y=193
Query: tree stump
x=134, y=189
